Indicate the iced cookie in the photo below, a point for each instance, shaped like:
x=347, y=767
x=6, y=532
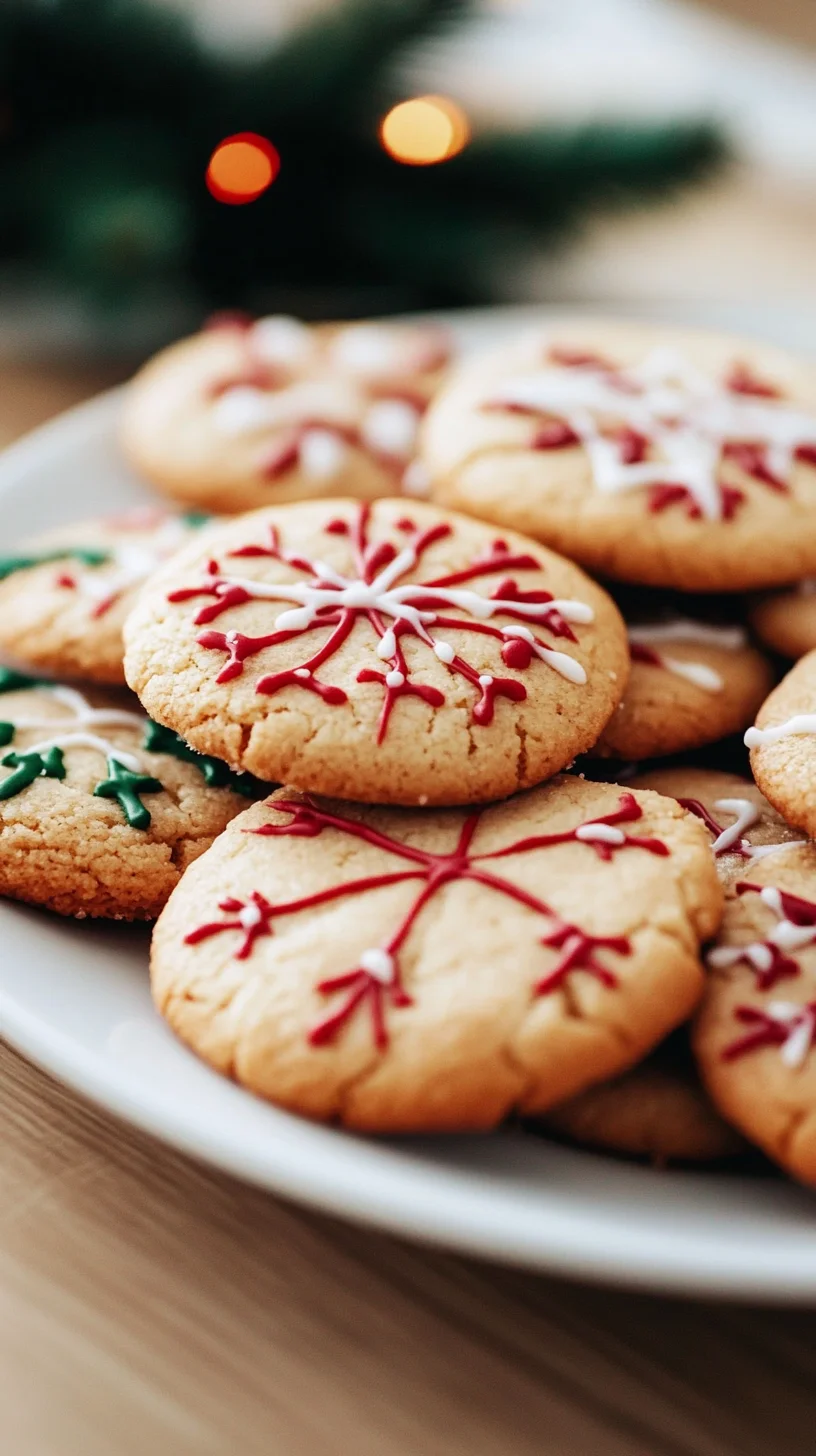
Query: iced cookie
x=783, y=746
x=743, y=826
x=786, y=621
x=101, y=811
x=64, y=595
x=657, y=1110
x=401, y=970
x=690, y=683
x=250, y=414
x=384, y=653
x=754, y=1035
x=649, y=455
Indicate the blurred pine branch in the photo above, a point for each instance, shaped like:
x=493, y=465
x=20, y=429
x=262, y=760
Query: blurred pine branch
x=110, y=110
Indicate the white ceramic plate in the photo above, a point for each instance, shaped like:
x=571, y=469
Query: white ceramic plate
x=74, y=997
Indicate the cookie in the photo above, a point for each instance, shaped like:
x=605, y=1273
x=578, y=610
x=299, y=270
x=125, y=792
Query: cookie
x=250, y=414
x=64, y=595
x=378, y=654
x=754, y=1034
x=786, y=621
x=647, y=454
x=657, y=1110
x=690, y=683
x=407, y=970
x=101, y=811
x=783, y=746
x=743, y=826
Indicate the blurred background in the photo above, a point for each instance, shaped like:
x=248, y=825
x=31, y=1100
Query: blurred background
x=161, y=159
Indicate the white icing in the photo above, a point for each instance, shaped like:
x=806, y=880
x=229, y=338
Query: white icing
x=390, y=427
x=241, y=410
x=686, y=416
x=761, y=851
x=394, y=602
x=379, y=964
x=682, y=629
x=799, y=723
x=250, y=916
x=370, y=349
x=603, y=833
x=77, y=731
x=784, y=935
x=131, y=561
x=245, y=410
x=745, y=814
x=322, y=453
x=416, y=481
x=279, y=339
x=394, y=679
x=802, y=1022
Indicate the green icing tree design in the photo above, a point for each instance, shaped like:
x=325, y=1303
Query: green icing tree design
x=125, y=786
x=216, y=773
x=28, y=767
x=85, y=555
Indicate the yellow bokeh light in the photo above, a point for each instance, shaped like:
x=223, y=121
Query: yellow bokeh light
x=425, y=130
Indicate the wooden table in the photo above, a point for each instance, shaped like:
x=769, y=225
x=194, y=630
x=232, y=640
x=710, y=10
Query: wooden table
x=149, y=1307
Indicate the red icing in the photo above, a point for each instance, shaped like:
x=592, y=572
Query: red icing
x=743, y=380
x=432, y=871
x=369, y=560
x=64, y=578
x=749, y=456
x=660, y=497
x=782, y=966
x=767, y=1029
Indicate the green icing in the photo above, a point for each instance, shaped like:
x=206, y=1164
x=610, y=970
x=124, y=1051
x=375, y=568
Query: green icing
x=28, y=767
x=87, y=556
x=216, y=774
x=196, y=518
x=6, y=733
x=11, y=680
x=125, y=786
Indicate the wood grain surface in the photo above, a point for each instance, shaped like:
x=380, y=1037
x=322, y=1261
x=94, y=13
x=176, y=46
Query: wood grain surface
x=150, y=1307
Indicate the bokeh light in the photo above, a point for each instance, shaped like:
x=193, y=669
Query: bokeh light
x=242, y=167
x=425, y=130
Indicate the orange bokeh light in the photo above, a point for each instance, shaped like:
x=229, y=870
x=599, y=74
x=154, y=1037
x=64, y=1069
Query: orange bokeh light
x=242, y=167
x=425, y=130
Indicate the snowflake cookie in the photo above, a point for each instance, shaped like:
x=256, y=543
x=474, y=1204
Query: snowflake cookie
x=64, y=596
x=755, y=1033
x=101, y=810
x=648, y=454
x=378, y=652
x=407, y=970
x=250, y=413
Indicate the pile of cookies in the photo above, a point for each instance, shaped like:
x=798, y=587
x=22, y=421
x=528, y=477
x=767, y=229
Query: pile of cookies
x=431, y=917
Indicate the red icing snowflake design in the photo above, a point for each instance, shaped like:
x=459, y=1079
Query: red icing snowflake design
x=327, y=601
x=368, y=404
x=674, y=427
x=769, y=958
x=376, y=981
